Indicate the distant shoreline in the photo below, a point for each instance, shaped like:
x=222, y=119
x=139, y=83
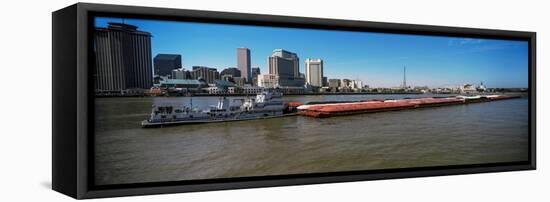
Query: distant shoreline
x=310, y=94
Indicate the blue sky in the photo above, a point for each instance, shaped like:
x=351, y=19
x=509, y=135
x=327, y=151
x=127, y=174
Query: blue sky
x=375, y=58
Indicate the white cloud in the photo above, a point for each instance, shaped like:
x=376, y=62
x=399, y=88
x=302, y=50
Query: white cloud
x=464, y=41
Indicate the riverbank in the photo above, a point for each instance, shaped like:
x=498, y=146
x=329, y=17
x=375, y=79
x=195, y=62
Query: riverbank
x=308, y=94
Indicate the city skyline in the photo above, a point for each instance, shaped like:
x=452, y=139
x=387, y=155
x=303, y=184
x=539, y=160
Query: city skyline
x=375, y=58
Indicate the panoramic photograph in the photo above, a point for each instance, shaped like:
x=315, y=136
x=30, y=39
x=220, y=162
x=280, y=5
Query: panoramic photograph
x=179, y=101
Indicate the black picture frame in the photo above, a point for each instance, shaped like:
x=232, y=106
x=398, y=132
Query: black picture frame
x=72, y=100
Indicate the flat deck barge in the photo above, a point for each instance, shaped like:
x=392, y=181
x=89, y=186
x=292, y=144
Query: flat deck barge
x=324, y=110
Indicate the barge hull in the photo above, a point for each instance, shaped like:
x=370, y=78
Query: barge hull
x=147, y=124
x=370, y=106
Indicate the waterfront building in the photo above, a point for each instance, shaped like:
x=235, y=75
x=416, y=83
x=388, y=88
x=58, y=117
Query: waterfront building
x=233, y=90
x=215, y=90
x=268, y=81
x=286, y=66
x=252, y=90
x=481, y=88
x=357, y=84
x=314, y=72
x=334, y=84
x=346, y=83
x=467, y=88
x=183, y=85
x=208, y=74
x=422, y=89
x=243, y=63
x=291, y=90
x=325, y=81
x=165, y=63
x=220, y=87
x=123, y=58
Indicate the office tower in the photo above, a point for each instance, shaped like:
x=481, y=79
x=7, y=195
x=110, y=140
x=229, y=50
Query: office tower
x=334, y=83
x=243, y=63
x=286, y=66
x=165, y=63
x=180, y=74
x=255, y=73
x=209, y=75
x=123, y=58
x=284, y=63
x=314, y=72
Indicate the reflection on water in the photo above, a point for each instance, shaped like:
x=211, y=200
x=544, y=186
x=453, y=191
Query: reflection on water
x=452, y=135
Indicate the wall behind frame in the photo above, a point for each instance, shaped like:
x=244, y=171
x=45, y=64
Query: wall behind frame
x=26, y=64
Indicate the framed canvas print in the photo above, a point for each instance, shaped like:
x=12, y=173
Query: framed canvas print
x=156, y=100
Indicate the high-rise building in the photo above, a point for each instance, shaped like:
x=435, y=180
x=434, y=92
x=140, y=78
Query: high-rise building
x=286, y=66
x=314, y=72
x=346, y=83
x=357, y=84
x=165, y=63
x=123, y=58
x=334, y=83
x=209, y=75
x=255, y=73
x=243, y=63
x=180, y=74
x=232, y=71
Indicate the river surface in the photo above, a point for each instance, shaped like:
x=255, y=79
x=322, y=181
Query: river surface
x=451, y=135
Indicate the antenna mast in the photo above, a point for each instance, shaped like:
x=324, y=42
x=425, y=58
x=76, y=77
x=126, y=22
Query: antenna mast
x=404, y=77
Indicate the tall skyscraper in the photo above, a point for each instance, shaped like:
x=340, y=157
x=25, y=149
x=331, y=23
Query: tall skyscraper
x=314, y=72
x=243, y=63
x=284, y=63
x=123, y=58
x=165, y=63
x=286, y=66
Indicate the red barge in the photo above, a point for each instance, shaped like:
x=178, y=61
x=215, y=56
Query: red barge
x=323, y=110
